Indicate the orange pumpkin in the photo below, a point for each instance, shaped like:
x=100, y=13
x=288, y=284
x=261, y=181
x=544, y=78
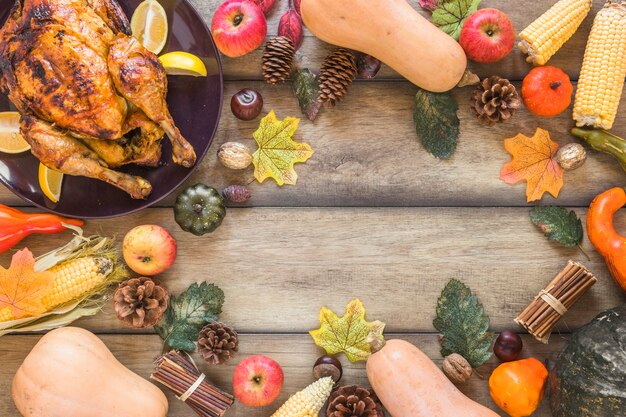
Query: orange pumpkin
x=547, y=91
x=517, y=387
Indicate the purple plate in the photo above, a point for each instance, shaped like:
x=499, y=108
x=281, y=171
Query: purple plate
x=195, y=104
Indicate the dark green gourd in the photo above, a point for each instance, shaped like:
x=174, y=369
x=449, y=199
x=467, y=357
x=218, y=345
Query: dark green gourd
x=199, y=209
x=589, y=379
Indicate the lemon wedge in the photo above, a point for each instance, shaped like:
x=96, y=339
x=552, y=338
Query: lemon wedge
x=50, y=182
x=11, y=140
x=149, y=25
x=183, y=63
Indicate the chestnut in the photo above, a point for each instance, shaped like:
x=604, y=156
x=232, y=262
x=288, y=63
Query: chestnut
x=327, y=366
x=246, y=104
x=508, y=346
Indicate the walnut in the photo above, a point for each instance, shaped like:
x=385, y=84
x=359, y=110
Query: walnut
x=571, y=156
x=234, y=155
x=456, y=368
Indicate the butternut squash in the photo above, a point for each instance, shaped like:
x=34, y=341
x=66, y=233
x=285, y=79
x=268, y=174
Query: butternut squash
x=395, y=33
x=409, y=384
x=71, y=373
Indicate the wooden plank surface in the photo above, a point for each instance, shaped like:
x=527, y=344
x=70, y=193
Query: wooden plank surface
x=279, y=266
x=367, y=154
x=295, y=353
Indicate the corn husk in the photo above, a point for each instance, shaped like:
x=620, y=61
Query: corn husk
x=89, y=304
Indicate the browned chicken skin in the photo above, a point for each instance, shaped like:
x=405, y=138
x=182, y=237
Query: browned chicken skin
x=95, y=90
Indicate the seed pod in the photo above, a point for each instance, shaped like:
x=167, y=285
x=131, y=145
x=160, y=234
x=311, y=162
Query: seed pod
x=571, y=156
x=290, y=25
x=234, y=155
x=456, y=368
x=296, y=5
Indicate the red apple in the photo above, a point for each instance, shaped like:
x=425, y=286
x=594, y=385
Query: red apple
x=238, y=27
x=149, y=249
x=257, y=381
x=488, y=36
x=266, y=5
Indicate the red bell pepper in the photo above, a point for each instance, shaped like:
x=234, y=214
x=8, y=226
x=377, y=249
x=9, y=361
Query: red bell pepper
x=16, y=225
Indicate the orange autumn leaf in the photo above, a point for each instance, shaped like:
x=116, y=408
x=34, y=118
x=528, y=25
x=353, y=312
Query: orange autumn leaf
x=21, y=288
x=533, y=161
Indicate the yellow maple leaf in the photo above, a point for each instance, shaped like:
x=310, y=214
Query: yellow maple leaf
x=533, y=161
x=21, y=288
x=277, y=151
x=349, y=334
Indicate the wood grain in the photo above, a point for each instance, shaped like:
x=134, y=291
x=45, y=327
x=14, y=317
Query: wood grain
x=295, y=353
x=367, y=154
x=278, y=267
x=514, y=66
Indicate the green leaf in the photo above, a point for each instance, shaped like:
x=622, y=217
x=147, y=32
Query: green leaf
x=558, y=224
x=463, y=323
x=436, y=122
x=188, y=313
x=306, y=88
x=450, y=15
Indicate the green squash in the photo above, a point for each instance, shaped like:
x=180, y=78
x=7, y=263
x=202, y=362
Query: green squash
x=199, y=209
x=589, y=379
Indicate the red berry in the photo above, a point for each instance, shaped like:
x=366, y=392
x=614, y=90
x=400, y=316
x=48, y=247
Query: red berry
x=508, y=346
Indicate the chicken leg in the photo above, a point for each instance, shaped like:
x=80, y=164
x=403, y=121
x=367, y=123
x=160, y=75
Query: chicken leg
x=140, y=78
x=66, y=154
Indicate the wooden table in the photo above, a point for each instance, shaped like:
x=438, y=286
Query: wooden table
x=373, y=216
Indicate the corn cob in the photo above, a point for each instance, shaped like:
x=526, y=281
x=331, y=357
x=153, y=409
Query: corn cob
x=308, y=402
x=73, y=280
x=546, y=35
x=604, y=67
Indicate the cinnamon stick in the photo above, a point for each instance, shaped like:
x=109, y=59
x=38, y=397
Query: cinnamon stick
x=542, y=314
x=179, y=373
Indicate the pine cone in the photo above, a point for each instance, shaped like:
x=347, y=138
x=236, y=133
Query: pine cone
x=278, y=59
x=354, y=401
x=218, y=343
x=336, y=75
x=140, y=302
x=495, y=100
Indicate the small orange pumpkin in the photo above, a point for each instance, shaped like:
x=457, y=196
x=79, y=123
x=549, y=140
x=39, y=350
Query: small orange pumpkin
x=547, y=91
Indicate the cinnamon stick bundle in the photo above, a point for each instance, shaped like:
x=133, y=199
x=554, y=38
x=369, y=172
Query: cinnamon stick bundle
x=178, y=372
x=555, y=300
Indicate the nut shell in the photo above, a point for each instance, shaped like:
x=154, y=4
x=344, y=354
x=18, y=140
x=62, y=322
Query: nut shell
x=456, y=368
x=571, y=156
x=234, y=155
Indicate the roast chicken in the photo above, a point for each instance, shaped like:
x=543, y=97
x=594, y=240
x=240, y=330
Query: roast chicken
x=92, y=98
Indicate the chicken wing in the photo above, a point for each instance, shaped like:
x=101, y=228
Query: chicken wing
x=140, y=78
x=65, y=154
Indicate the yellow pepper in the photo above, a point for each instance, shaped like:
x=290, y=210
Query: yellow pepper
x=517, y=387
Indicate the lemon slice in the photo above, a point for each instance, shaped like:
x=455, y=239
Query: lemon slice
x=11, y=141
x=183, y=63
x=50, y=182
x=149, y=25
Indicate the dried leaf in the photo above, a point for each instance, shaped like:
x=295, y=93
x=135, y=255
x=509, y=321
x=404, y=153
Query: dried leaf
x=277, y=151
x=188, y=313
x=450, y=15
x=349, y=334
x=558, y=224
x=429, y=5
x=306, y=88
x=533, y=161
x=21, y=288
x=290, y=25
x=463, y=323
x=436, y=122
